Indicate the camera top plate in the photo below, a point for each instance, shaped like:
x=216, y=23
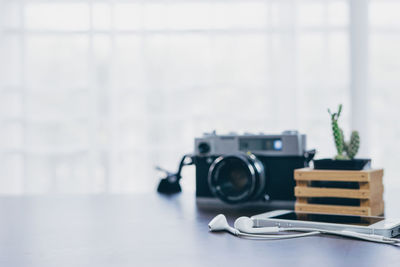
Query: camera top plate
x=289, y=143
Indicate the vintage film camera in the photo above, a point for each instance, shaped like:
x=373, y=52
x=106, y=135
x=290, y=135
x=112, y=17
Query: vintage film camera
x=250, y=169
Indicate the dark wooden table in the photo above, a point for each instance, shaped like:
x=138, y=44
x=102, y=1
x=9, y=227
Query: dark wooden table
x=154, y=230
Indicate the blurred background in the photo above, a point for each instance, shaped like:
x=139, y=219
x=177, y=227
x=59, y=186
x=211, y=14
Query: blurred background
x=95, y=93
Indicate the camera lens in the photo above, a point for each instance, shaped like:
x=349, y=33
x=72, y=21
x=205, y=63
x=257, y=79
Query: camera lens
x=236, y=178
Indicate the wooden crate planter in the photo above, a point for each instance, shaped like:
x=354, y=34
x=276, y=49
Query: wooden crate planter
x=316, y=190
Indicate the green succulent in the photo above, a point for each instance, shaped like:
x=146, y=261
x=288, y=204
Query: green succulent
x=345, y=150
x=353, y=145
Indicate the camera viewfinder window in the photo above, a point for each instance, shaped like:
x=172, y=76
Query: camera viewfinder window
x=258, y=144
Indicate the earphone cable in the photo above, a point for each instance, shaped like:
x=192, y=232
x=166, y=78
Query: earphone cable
x=275, y=237
x=377, y=239
x=367, y=237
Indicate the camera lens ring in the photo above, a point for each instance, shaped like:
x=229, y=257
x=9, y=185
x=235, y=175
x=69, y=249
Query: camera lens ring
x=245, y=170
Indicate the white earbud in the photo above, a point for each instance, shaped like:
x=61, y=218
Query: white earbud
x=219, y=223
x=245, y=229
x=246, y=225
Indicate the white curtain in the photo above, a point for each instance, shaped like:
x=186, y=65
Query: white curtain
x=93, y=94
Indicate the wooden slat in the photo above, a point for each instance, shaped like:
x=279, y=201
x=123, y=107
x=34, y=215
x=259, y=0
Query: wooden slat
x=365, y=203
x=331, y=192
x=307, y=174
x=334, y=209
x=302, y=200
x=376, y=182
x=365, y=185
x=375, y=210
x=302, y=183
x=377, y=174
x=376, y=195
x=378, y=209
x=301, y=191
x=374, y=200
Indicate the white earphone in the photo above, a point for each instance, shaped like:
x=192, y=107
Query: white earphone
x=219, y=223
x=244, y=227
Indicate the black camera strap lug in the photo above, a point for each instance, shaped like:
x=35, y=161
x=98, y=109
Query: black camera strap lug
x=170, y=184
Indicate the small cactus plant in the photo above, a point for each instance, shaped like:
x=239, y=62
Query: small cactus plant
x=354, y=144
x=345, y=150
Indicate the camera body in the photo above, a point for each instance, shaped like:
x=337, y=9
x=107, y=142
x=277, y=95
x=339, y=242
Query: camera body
x=248, y=169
